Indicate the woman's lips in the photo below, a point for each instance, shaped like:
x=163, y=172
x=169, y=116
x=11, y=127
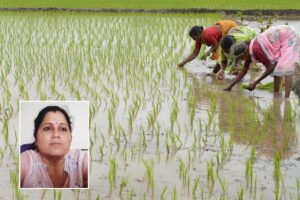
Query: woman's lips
x=55, y=143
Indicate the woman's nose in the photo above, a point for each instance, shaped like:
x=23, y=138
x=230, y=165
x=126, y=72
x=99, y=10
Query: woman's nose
x=55, y=132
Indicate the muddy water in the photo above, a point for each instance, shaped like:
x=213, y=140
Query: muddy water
x=243, y=116
x=226, y=126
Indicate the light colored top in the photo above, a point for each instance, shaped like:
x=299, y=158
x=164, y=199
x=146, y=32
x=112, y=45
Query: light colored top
x=280, y=44
x=34, y=173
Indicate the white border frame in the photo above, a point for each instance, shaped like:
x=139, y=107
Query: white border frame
x=19, y=143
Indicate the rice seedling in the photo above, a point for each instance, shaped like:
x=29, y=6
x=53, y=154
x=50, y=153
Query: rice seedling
x=43, y=194
x=59, y=195
x=1, y=156
x=249, y=166
x=222, y=183
x=183, y=173
x=149, y=174
x=123, y=184
x=130, y=195
x=152, y=116
x=195, y=185
x=276, y=162
x=98, y=197
x=223, y=147
x=163, y=192
x=277, y=172
x=240, y=194
x=298, y=187
x=91, y=148
x=174, y=113
x=112, y=173
x=54, y=194
x=15, y=184
x=210, y=172
x=142, y=139
x=174, y=193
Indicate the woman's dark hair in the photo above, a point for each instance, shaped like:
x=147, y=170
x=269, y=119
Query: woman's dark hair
x=195, y=30
x=38, y=120
x=239, y=49
x=227, y=42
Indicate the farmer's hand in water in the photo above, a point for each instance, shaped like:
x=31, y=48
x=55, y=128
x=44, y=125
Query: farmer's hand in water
x=181, y=64
x=227, y=89
x=250, y=87
x=220, y=75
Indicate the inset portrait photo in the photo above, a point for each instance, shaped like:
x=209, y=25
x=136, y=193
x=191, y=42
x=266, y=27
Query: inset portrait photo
x=54, y=144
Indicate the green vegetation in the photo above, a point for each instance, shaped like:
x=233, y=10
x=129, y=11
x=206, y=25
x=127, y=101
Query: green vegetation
x=156, y=133
x=152, y=4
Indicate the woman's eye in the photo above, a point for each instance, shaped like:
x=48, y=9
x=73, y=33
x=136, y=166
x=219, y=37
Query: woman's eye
x=46, y=128
x=64, y=129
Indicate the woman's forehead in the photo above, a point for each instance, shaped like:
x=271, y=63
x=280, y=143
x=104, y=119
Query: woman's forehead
x=54, y=117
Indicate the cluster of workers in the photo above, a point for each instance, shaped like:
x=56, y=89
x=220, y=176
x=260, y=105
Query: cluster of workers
x=277, y=48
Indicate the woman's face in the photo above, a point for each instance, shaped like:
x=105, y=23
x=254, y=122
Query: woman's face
x=54, y=135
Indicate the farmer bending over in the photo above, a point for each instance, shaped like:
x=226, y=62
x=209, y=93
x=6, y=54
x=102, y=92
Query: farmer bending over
x=236, y=34
x=210, y=36
x=277, y=48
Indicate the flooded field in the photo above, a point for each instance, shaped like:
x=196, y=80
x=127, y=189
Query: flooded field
x=156, y=131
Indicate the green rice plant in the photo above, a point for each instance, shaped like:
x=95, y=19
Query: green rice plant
x=5, y=129
x=222, y=183
x=157, y=131
x=120, y=130
x=210, y=172
x=174, y=113
x=142, y=139
x=131, y=113
x=183, y=172
x=195, y=185
x=218, y=158
x=249, y=166
x=112, y=173
x=149, y=174
x=240, y=194
x=123, y=184
x=173, y=140
x=192, y=102
x=43, y=194
x=1, y=156
x=174, y=193
x=152, y=116
x=59, y=195
x=230, y=145
x=276, y=162
x=130, y=195
x=15, y=184
x=223, y=147
x=277, y=173
x=101, y=146
x=298, y=187
x=54, y=194
x=163, y=192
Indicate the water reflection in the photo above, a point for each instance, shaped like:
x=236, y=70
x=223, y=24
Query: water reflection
x=269, y=124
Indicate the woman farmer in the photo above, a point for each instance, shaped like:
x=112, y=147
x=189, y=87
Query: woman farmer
x=210, y=36
x=52, y=164
x=277, y=49
x=236, y=34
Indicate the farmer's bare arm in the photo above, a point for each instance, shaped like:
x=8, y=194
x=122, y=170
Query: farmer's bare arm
x=239, y=76
x=191, y=57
